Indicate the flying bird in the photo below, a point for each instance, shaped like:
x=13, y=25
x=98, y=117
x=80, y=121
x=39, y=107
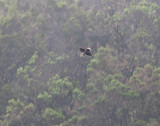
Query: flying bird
x=86, y=51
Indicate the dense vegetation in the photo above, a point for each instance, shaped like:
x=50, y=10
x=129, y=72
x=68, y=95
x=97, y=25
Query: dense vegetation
x=44, y=81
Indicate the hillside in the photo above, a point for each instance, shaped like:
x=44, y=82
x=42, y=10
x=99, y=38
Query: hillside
x=45, y=82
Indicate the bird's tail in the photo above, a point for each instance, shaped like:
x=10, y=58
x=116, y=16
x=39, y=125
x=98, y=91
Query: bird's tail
x=82, y=54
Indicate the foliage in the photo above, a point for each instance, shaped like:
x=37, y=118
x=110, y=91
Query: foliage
x=44, y=81
x=52, y=115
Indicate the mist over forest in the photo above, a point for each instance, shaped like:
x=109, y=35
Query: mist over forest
x=45, y=82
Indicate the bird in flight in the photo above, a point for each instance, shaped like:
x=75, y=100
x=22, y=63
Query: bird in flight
x=86, y=51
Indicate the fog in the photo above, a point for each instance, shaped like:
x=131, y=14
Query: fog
x=46, y=80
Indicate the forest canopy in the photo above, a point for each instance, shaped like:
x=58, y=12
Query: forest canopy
x=45, y=82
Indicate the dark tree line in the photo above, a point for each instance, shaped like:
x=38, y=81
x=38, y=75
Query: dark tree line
x=45, y=82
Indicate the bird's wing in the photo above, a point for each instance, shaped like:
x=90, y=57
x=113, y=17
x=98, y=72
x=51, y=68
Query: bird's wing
x=82, y=49
x=89, y=54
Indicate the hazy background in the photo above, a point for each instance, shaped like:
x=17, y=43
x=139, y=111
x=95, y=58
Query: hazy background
x=45, y=82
